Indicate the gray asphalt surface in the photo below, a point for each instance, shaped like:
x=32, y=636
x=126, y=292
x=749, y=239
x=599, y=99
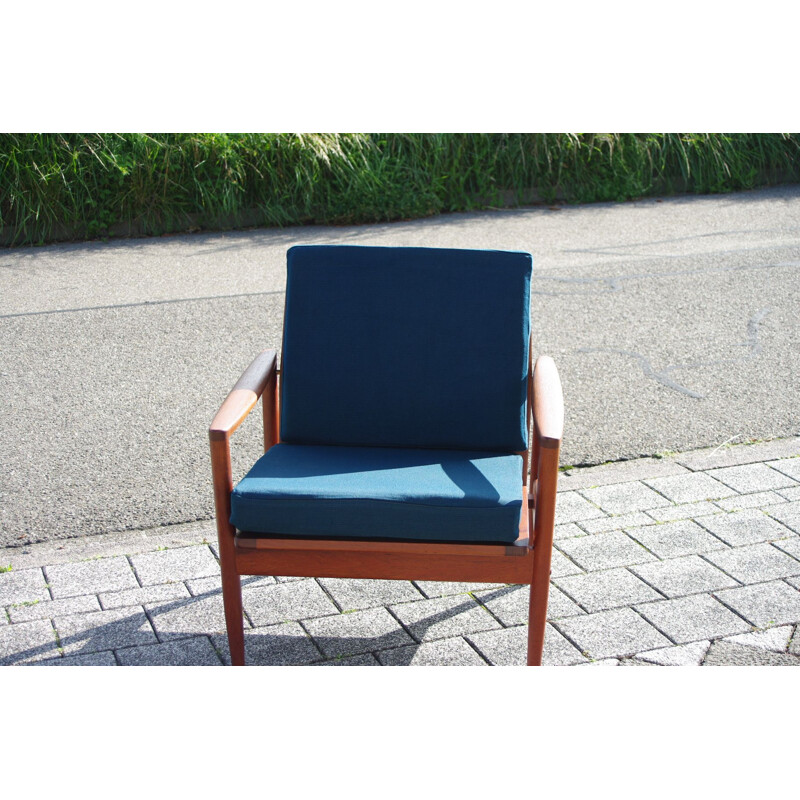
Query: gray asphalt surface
x=674, y=324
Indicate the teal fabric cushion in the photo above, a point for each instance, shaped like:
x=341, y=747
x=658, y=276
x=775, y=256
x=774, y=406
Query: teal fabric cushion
x=406, y=347
x=375, y=492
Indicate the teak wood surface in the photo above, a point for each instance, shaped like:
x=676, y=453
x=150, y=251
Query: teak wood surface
x=527, y=561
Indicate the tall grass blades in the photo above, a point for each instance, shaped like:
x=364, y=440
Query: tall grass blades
x=56, y=187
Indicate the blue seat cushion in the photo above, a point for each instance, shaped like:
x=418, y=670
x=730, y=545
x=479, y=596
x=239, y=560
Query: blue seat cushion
x=406, y=347
x=381, y=493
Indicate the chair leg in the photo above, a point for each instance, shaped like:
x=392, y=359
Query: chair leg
x=234, y=615
x=537, y=613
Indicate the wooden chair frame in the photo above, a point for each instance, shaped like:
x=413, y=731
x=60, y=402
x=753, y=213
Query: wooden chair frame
x=527, y=561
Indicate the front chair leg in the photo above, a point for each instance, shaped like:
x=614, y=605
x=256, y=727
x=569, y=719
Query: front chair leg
x=234, y=614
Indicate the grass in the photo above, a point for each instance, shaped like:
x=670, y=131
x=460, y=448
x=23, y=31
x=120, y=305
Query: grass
x=76, y=186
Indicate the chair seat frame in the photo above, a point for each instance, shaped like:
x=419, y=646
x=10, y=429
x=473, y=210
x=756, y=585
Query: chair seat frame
x=526, y=561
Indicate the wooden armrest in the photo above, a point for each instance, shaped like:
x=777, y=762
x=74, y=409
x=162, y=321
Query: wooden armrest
x=244, y=395
x=548, y=403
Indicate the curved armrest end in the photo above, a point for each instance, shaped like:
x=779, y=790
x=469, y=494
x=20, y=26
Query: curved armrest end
x=548, y=403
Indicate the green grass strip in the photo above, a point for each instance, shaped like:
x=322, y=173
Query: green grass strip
x=58, y=187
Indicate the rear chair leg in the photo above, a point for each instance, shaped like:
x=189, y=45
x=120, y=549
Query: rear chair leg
x=537, y=613
x=232, y=599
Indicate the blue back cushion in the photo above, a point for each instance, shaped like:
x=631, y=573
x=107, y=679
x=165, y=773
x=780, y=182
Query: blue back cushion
x=406, y=347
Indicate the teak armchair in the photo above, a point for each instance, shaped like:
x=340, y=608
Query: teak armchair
x=397, y=439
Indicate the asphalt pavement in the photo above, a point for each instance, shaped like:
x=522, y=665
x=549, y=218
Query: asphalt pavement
x=673, y=323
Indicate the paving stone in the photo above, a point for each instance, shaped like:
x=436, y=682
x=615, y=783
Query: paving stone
x=27, y=642
x=615, y=633
x=179, y=564
x=686, y=511
x=105, y=658
x=356, y=594
x=752, y=478
x=755, y=562
x=282, y=602
x=144, y=595
x=746, y=527
x=571, y=507
x=181, y=619
x=508, y=647
x=683, y=655
x=561, y=565
x=624, y=498
x=764, y=604
x=286, y=645
x=358, y=632
x=510, y=604
x=733, y=455
x=791, y=494
x=774, y=639
x=790, y=546
x=606, y=589
x=740, y=502
x=793, y=582
x=680, y=538
x=603, y=662
x=788, y=466
x=787, y=513
x=565, y=531
x=199, y=587
x=604, y=551
x=729, y=654
x=616, y=523
x=104, y=630
x=444, y=616
x=196, y=652
x=22, y=586
x=692, y=618
x=90, y=577
x=685, y=575
x=794, y=647
x=444, y=588
x=53, y=608
x=364, y=660
x=691, y=487
x=619, y=472
x=443, y=653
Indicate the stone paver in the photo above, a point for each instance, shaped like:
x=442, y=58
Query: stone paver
x=144, y=595
x=443, y=616
x=788, y=466
x=775, y=639
x=791, y=494
x=90, y=577
x=681, y=576
x=571, y=507
x=510, y=604
x=612, y=633
x=752, y=478
x=276, y=645
x=561, y=565
x=604, y=551
x=568, y=530
x=105, y=658
x=606, y=589
x=181, y=619
x=444, y=653
x=361, y=631
x=282, y=602
x=104, y=630
x=179, y=564
x=787, y=514
x=27, y=642
x=508, y=647
x=364, y=660
x=196, y=652
x=755, y=562
x=444, y=588
x=790, y=546
x=355, y=595
x=685, y=511
x=730, y=654
x=746, y=527
x=764, y=604
x=683, y=655
x=25, y=612
x=740, y=502
x=23, y=586
x=616, y=523
x=692, y=487
x=693, y=618
x=623, y=498
x=680, y=538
